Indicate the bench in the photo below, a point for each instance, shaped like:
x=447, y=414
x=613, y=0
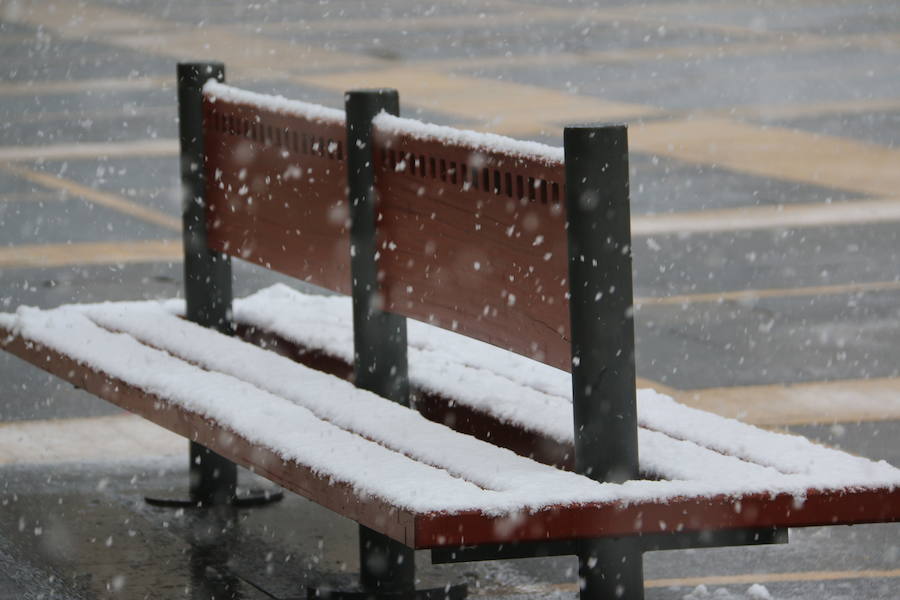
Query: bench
x=451, y=432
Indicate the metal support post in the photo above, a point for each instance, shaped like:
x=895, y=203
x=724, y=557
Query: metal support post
x=386, y=567
x=379, y=337
x=207, y=274
x=602, y=329
x=207, y=284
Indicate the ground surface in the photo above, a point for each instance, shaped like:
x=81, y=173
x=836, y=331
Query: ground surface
x=764, y=187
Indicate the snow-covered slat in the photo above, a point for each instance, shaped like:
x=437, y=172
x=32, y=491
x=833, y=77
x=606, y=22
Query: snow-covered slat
x=391, y=425
x=477, y=375
x=530, y=394
x=259, y=416
x=476, y=141
x=220, y=92
x=338, y=402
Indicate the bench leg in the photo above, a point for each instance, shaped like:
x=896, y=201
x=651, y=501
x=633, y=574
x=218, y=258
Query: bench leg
x=213, y=478
x=387, y=571
x=610, y=569
x=385, y=565
x=213, y=482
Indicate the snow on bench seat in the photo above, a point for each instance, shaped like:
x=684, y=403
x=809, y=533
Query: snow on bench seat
x=538, y=397
x=440, y=486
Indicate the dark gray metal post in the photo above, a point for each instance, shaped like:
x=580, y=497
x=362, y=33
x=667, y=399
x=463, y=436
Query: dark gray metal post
x=379, y=337
x=601, y=308
x=207, y=274
x=385, y=566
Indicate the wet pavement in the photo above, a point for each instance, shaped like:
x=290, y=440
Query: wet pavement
x=84, y=531
x=710, y=89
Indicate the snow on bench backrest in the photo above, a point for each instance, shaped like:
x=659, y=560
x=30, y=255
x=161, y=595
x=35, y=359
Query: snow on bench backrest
x=276, y=184
x=470, y=227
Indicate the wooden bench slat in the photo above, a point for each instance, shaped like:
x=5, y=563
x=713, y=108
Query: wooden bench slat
x=718, y=512
x=276, y=246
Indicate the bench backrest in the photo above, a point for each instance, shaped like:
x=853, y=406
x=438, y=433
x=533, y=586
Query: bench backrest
x=513, y=243
x=470, y=229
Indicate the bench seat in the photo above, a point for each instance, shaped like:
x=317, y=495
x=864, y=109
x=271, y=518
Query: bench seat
x=418, y=481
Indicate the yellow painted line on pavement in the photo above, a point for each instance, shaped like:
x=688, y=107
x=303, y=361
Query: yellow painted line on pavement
x=515, y=16
x=43, y=88
x=79, y=19
x=752, y=295
x=512, y=15
x=691, y=582
x=89, y=253
x=92, y=118
x=33, y=196
x=787, y=42
x=846, y=401
x=815, y=109
x=243, y=55
x=496, y=16
x=751, y=578
x=251, y=54
x=689, y=52
x=90, y=194
x=472, y=22
x=76, y=150
x=774, y=152
x=644, y=383
x=888, y=41
x=782, y=216
x=100, y=439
